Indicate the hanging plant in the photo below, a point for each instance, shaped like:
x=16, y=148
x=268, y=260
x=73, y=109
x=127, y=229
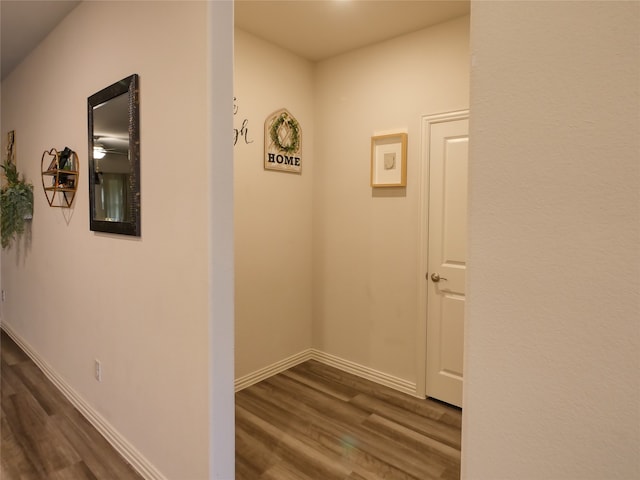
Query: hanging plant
x=16, y=204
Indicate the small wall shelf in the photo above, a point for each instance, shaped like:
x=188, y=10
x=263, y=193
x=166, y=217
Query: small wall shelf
x=61, y=171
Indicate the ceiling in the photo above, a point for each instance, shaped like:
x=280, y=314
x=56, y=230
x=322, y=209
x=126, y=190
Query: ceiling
x=319, y=29
x=313, y=29
x=24, y=24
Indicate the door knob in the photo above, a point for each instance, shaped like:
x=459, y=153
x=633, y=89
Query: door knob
x=436, y=278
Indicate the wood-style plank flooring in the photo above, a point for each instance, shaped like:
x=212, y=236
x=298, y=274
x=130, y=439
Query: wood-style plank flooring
x=43, y=436
x=311, y=422
x=314, y=422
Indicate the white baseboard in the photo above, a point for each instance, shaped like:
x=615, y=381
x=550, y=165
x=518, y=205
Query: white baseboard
x=271, y=370
x=331, y=360
x=121, y=445
x=376, y=376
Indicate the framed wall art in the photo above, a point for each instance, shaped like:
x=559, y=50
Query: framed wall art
x=389, y=160
x=11, y=147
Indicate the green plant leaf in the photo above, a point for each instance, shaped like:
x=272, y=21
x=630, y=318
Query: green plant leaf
x=16, y=202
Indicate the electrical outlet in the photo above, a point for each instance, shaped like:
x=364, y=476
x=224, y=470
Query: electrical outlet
x=4, y=295
x=98, y=370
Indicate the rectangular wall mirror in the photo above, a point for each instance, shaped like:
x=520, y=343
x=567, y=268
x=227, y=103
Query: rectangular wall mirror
x=114, y=158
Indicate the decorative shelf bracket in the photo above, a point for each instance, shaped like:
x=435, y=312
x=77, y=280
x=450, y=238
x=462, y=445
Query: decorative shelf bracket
x=61, y=169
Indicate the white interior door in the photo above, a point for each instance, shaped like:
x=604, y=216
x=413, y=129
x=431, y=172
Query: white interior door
x=447, y=256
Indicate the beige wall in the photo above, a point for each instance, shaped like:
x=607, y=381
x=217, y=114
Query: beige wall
x=273, y=240
x=138, y=305
x=363, y=244
x=552, y=386
x=366, y=242
x=552, y=337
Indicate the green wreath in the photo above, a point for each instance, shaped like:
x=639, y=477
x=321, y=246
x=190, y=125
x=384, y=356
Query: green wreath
x=293, y=127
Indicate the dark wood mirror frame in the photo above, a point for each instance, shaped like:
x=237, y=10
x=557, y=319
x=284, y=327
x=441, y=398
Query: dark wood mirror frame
x=119, y=126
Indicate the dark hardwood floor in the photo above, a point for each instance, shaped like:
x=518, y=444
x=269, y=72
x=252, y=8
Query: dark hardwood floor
x=314, y=422
x=43, y=435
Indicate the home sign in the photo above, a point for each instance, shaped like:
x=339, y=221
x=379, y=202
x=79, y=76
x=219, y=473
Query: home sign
x=282, y=142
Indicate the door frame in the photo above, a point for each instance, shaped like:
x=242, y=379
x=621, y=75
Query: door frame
x=426, y=123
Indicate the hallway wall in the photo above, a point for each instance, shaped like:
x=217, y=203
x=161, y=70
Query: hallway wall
x=552, y=356
x=366, y=250
x=322, y=260
x=272, y=212
x=139, y=305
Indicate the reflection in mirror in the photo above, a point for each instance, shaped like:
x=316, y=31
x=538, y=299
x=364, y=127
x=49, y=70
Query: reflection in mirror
x=114, y=163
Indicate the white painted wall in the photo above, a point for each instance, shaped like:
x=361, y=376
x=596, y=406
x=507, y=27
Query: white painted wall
x=273, y=210
x=221, y=403
x=553, y=335
x=366, y=241
x=138, y=305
